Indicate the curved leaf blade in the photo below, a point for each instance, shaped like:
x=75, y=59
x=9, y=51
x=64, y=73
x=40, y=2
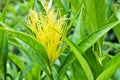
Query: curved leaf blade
x=17, y=61
x=41, y=54
x=77, y=71
x=3, y=54
x=81, y=59
x=90, y=40
x=110, y=68
x=69, y=59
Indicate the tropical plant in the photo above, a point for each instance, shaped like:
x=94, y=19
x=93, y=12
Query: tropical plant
x=59, y=40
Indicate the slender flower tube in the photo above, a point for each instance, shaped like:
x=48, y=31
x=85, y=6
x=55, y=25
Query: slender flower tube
x=48, y=30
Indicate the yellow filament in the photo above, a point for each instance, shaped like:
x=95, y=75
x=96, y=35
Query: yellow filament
x=47, y=28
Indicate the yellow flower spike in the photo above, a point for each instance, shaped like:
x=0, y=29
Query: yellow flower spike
x=33, y=18
x=48, y=29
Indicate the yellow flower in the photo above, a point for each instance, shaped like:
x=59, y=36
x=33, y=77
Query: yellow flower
x=48, y=29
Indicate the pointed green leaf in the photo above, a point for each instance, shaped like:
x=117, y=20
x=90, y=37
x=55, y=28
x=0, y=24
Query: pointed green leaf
x=28, y=69
x=81, y=59
x=3, y=54
x=77, y=71
x=69, y=59
x=87, y=43
x=96, y=11
x=110, y=68
x=79, y=33
x=91, y=39
x=95, y=18
x=36, y=71
x=23, y=49
x=93, y=62
x=41, y=54
x=17, y=61
x=4, y=12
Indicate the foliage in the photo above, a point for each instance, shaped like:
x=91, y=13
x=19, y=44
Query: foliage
x=59, y=40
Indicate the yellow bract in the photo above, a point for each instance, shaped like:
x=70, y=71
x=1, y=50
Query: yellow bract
x=48, y=29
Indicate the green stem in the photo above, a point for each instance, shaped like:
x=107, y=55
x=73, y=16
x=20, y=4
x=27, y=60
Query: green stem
x=50, y=74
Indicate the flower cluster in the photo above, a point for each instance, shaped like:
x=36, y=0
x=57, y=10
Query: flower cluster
x=48, y=28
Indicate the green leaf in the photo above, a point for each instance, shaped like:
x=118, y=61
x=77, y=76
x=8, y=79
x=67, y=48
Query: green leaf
x=93, y=62
x=60, y=5
x=79, y=33
x=41, y=54
x=110, y=68
x=27, y=28
x=78, y=36
x=76, y=4
x=109, y=8
x=36, y=70
x=4, y=12
x=38, y=6
x=81, y=59
x=65, y=5
x=116, y=29
x=95, y=18
x=91, y=39
x=112, y=45
x=96, y=11
x=3, y=45
x=32, y=71
x=117, y=75
x=87, y=43
x=28, y=69
x=3, y=54
x=17, y=61
x=117, y=32
x=77, y=71
x=69, y=59
x=23, y=48
x=115, y=59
